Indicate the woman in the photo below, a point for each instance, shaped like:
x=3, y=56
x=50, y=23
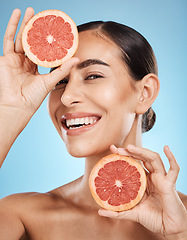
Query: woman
x=107, y=88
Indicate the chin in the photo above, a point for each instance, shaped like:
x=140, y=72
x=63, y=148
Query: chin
x=91, y=145
x=85, y=150
x=80, y=152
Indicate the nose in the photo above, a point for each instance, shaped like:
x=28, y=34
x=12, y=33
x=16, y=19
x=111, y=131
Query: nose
x=73, y=93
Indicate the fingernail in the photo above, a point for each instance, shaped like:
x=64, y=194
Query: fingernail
x=168, y=147
x=123, y=152
x=130, y=147
x=100, y=212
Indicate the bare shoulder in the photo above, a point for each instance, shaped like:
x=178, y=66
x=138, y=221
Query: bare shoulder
x=11, y=212
x=25, y=211
x=19, y=205
x=20, y=202
x=13, y=203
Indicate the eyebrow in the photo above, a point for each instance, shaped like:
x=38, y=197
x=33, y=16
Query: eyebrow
x=89, y=62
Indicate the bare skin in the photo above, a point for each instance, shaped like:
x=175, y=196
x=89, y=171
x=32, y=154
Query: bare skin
x=60, y=214
x=70, y=212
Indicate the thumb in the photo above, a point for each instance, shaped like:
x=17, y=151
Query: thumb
x=128, y=215
x=120, y=151
x=51, y=79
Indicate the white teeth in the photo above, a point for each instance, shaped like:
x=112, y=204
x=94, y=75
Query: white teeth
x=91, y=120
x=86, y=121
x=80, y=121
x=72, y=121
x=76, y=121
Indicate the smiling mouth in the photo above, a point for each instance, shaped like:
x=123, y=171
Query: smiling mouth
x=77, y=123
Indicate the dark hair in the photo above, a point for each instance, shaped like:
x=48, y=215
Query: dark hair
x=137, y=54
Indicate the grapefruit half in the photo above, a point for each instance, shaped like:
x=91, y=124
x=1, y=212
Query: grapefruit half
x=117, y=183
x=50, y=38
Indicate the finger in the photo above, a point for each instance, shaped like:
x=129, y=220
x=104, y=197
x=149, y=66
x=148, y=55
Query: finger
x=128, y=215
x=152, y=160
x=108, y=213
x=113, y=149
x=120, y=151
x=147, y=164
x=8, y=45
x=51, y=79
x=174, y=167
x=18, y=43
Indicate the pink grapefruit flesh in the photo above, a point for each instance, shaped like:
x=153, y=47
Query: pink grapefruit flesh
x=50, y=38
x=117, y=182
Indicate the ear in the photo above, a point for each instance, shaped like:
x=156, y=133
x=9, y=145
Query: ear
x=148, y=91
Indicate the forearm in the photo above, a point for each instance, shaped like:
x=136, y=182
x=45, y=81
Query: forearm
x=12, y=122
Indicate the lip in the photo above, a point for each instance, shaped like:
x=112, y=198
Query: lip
x=77, y=131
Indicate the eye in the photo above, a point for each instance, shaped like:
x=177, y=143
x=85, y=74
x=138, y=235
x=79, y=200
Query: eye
x=93, y=76
x=62, y=83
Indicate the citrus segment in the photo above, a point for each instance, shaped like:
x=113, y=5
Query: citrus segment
x=117, y=182
x=50, y=38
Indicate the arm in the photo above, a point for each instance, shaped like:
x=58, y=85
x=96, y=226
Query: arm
x=23, y=89
x=12, y=123
x=11, y=226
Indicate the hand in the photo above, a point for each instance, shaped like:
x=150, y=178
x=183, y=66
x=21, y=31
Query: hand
x=22, y=87
x=161, y=210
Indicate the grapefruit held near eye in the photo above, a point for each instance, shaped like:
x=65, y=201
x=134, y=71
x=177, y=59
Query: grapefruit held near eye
x=50, y=38
x=117, y=183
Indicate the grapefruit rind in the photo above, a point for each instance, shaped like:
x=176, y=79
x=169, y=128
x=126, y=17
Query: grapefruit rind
x=105, y=204
x=26, y=46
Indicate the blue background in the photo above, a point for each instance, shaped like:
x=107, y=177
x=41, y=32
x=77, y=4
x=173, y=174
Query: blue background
x=38, y=160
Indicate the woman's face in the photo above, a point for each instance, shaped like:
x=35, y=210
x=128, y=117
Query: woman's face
x=95, y=105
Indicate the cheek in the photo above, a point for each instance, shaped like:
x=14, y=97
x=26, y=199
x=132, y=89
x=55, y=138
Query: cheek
x=120, y=105
x=104, y=95
x=116, y=97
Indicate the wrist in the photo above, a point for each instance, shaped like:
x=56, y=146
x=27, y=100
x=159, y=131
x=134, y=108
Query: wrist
x=17, y=117
x=12, y=122
x=178, y=236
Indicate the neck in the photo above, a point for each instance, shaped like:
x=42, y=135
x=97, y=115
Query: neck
x=134, y=137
